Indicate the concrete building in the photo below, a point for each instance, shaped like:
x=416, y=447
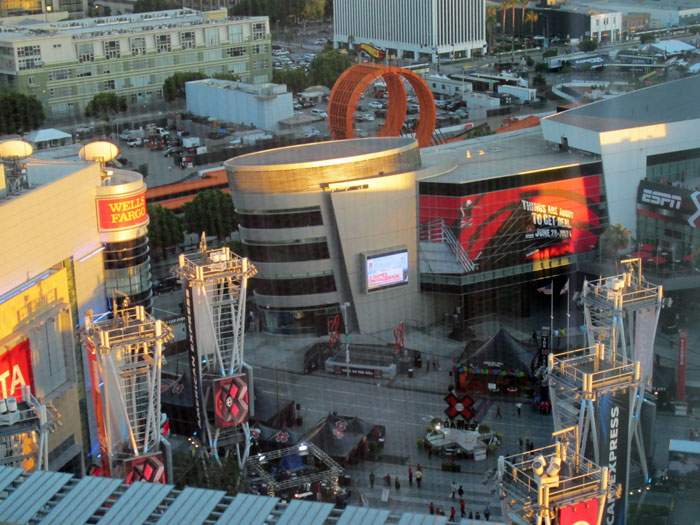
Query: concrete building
x=65, y=245
x=43, y=9
x=262, y=105
x=597, y=23
x=64, y=64
x=662, y=13
x=416, y=29
x=444, y=86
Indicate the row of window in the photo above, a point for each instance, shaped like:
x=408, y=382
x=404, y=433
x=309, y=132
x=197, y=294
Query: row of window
x=281, y=220
x=274, y=253
x=297, y=286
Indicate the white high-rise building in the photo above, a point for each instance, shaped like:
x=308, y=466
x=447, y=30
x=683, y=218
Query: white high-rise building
x=416, y=29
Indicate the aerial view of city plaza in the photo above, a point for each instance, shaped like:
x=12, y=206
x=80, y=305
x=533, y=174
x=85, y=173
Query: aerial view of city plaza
x=350, y=262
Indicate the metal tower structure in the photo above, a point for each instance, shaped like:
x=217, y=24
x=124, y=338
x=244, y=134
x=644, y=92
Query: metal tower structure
x=553, y=483
x=125, y=354
x=600, y=388
x=25, y=426
x=215, y=296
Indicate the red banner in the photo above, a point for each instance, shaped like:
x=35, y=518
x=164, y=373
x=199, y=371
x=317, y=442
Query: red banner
x=231, y=401
x=124, y=212
x=16, y=370
x=149, y=468
x=682, y=356
x=584, y=513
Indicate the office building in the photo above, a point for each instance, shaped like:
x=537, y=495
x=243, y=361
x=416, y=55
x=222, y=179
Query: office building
x=65, y=64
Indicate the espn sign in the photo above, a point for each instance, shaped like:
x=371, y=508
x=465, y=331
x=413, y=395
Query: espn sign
x=16, y=370
x=661, y=198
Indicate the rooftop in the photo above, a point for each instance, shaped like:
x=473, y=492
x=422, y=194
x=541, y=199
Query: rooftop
x=497, y=155
x=122, y=24
x=664, y=103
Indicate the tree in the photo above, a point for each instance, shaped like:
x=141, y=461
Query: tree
x=587, y=46
x=295, y=79
x=313, y=9
x=144, y=6
x=491, y=12
x=174, y=85
x=615, y=237
x=647, y=39
x=327, y=67
x=164, y=229
x=212, y=212
x=504, y=6
x=539, y=79
x=532, y=17
x=206, y=472
x=105, y=106
x=227, y=75
x=19, y=113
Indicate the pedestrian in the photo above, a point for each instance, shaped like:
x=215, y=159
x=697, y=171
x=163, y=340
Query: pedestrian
x=498, y=412
x=478, y=516
x=520, y=444
x=460, y=491
x=518, y=406
x=534, y=337
x=397, y=485
x=454, y=489
x=435, y=363
x=527, y=445
x=487, y=512
x=462, y=506
x=419, y=468
x=419, y=478
x=427, y=364
x=371, y=480
x=431, y=508
x=410, y=476
x=452, y=514
x=471, y=516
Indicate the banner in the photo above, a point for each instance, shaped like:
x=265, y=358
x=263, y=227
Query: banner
x=231, y=401
x=613, y=423
x=149, y=468
x=195, y=366
x=682, y=358
x=123, y=212
x=644, y=334
x=520, y=225
x=669, y=203
x=584, y=513
x=16, y=370
x=372, y=51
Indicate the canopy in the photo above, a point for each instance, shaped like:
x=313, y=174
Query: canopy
x=501, y=351
x=269, y=437
x=337, y=436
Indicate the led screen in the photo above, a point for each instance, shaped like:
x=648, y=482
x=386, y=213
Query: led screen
x=386, y=270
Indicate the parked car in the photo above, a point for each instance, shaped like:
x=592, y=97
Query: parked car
x=172, y=151
x=320, y=41
x=135, y=142
x=375, y=105
x=319, y=113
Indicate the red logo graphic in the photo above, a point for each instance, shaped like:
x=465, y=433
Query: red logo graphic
x=254, y=433
x=338, y=433
x=178, y=388
x=458, y=406
x=16, y=370
x=282, y=437
x=231, y=401
x=341, y=425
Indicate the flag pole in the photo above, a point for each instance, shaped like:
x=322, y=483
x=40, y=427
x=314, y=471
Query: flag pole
x=568, y=314
x=551, y=317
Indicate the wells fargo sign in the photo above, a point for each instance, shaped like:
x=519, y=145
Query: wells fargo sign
x=16, y=370
x=124, y=212
x=372, y=51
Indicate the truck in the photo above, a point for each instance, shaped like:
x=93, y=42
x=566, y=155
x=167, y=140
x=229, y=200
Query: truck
x=129, y=134
x=190, y=142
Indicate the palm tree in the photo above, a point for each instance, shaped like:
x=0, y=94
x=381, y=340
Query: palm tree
x=504, y=6
x=491, y=12
x=531, y=17
x=615, y=237
x=523, y=5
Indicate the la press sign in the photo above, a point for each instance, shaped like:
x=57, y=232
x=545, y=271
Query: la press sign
x=124, y=212
x=16, y=370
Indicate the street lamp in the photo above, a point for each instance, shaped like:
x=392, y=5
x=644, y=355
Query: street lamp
x=343, y=309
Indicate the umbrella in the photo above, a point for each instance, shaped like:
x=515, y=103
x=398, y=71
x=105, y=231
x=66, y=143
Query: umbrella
x=641, y=255
x=658, y=260
x=688, y=257
x=647, y=247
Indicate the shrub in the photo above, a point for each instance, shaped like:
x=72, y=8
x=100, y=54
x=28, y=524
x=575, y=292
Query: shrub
x=484, y=429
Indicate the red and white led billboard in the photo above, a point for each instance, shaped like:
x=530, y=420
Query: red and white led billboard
x=521, y=225
x=231, y=401
x=584, y=513
x=16, y=370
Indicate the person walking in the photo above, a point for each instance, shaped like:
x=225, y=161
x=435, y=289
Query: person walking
x=462, y=507
x=471, y=516
x=460, y=491
x=371, y=480
x=419, y=478
x=518, y=406
x=487, y=512
x=498, y=412
x=435, y=363
x=452, y=514
x=397, y=485
x=431, y=508
x=520, y=444
x=478, y=516
x=454, y=489
x=419, y=468
x=410, y=476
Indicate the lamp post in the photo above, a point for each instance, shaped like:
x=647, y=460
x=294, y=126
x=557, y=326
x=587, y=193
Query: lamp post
x=343, y=309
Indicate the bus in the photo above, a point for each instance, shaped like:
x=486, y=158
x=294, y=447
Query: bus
x=174, y=196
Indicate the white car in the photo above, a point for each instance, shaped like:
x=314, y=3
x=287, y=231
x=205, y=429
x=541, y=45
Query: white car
x=132, y=143
x=313, y=132
x=319, y=41
x=375, y=105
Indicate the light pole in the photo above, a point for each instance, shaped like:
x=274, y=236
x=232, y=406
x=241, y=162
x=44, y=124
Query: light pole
x=343, y=309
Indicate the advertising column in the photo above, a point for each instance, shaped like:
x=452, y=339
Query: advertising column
x=682, y=356
x=613, y=427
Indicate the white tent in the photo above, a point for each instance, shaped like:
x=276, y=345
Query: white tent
x=49, y=137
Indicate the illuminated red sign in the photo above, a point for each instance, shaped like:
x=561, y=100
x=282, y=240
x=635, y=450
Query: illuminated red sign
x=231, y=401
x=149, y=468
x=520, y=225
x=124, y=212
x=16, y=370
x=584, y=513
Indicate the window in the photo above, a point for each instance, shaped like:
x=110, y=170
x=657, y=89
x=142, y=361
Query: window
x=296, y=286
x=84, y=71
x=306, y=251
x=138, y=46
x=108, y=85
x=237, y=51
x=260, y=64
x=211, y=36
x=260, y=49
x=29, y=51
x=235, y=34
x=60, y=74
x=163, y=43
x=31, y=81
x=259, y=31
x=211, y=55
x=29, y=63
x=111, y=48
x=187, y=40
x=85, y=52
x=301, y=219
x=238, y=67
x=58, y=92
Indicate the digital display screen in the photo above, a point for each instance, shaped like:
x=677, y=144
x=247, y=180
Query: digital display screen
x=387, y=270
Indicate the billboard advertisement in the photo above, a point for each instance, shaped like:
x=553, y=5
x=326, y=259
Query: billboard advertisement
x=122, y=212
x=372, y=51
x=521, y=225
x=150, y=468
x=194, y=362
x=231, y=401
x=584, y=513
x=386, y=270
x=613, y=424
x=682, y=359
x=669, y=203
x=16, y=370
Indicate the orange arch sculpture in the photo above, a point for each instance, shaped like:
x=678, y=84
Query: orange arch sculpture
x=352, y=82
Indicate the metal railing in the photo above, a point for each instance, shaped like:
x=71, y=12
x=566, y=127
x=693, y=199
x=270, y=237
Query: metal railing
x=435, y=230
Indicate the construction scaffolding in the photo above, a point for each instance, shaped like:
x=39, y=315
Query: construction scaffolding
x=25, y=426
x=545, y=484
x=600, y=389
x=125, y=355
x=215, y=296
